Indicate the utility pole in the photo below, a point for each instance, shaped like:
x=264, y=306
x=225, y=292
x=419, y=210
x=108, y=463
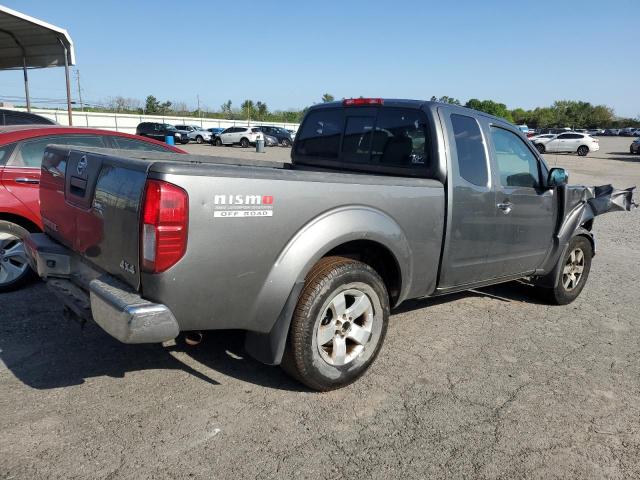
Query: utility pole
x=79, y=90
x=199, y=112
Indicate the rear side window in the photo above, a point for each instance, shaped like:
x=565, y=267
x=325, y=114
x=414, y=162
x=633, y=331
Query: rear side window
x=5, y=153
x=30, y=152
x=320, y=135
x=472, y=160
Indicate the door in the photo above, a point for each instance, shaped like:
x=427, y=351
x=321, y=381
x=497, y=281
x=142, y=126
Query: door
x=227, y=135
x=526, y=215
x=472, y=203
x=565, y=143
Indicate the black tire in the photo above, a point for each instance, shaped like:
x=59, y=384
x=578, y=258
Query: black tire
x=14, y=235
x=331, y=278
x=583, y=150
x=540, y=148
x=199, y=139
x=285, y=142
x=218, y=142
x=244, y=142
x=561, y=295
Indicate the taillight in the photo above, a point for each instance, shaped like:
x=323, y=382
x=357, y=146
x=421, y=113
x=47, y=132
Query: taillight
x=165, y=221
x=355, y=102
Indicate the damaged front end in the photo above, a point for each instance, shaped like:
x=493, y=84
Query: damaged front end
x=577, y=207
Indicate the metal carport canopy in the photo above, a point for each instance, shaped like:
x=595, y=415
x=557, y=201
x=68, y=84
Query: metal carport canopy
x=26, y=42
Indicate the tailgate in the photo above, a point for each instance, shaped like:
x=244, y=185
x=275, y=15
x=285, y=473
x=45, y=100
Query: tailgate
x=90, y=202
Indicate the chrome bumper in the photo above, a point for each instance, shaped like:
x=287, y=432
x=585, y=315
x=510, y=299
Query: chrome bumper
x=91, y=294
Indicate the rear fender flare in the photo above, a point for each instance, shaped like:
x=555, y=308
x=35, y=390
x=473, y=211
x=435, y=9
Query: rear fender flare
x=276, y=301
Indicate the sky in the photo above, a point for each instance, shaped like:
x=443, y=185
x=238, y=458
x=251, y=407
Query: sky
x=288, y=53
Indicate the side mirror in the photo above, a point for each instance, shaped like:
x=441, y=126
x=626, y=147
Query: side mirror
x=557, y=177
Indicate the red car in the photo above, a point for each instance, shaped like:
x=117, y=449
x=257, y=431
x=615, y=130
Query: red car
x=21, y=151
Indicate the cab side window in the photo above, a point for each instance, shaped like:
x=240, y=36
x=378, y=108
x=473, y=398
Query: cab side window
x=517, y=165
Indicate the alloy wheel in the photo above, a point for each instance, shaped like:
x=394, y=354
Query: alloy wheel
x=13, y=258
x=345, y=327
x=573, y=268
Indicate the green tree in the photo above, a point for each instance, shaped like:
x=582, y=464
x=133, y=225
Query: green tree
x=247, y=108
x=446, y=99
x=261, y=110
x=225, y=108
x=151, y=105
x=490, y=107
x=327, y=97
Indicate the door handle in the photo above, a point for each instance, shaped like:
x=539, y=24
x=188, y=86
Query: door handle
x=505, y=207
x=33, y=181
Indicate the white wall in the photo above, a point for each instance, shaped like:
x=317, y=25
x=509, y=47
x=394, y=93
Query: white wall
x=124, y=122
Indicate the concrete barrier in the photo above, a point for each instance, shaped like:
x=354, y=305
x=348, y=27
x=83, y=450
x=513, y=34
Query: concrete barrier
x=126, y=122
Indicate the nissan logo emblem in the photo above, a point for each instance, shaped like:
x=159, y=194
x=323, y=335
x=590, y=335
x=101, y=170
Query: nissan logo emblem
x=82, y=165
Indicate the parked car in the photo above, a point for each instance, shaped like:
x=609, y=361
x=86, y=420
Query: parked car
x=21, y=150
x=159, y=131
x=570, y=142
x=594, y=132
x=635, y=146
x=243, y=136
x=628, y=132
x=612, y=132
x=195, y=132
x=14, y=117
x=215, y=131
x=554, y=130
x=283, y=135
x=310, y=256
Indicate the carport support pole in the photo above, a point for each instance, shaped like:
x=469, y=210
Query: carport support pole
x=66, y=74
x=26, y=83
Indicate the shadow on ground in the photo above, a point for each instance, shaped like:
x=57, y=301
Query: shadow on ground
x=44, y=350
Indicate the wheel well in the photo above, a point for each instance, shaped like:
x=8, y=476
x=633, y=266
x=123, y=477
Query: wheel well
x=18, y=220
x=379, y=258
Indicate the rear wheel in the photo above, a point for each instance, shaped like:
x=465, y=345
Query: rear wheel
x=573, y=272
x=14, y=267
x=285, y=142
x=583, y=150
x=540, y=148
x=338, y=326
x=244, y=143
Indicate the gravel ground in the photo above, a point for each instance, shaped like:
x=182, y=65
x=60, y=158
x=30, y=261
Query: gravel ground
x=485, y=384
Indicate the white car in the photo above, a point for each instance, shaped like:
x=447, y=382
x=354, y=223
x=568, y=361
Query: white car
x=243, y=136
x=569, y=142
x=195, y=132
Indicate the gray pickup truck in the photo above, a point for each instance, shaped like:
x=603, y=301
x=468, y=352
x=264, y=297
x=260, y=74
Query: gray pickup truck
x=383, y=201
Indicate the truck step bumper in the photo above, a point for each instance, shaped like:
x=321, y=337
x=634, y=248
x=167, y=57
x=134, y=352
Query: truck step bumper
x=128, y=317
x=91, y=294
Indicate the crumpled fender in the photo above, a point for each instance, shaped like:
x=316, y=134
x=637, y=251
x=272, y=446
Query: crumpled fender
x=577, y=206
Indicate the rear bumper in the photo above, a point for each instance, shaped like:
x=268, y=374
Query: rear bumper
x=91, y=294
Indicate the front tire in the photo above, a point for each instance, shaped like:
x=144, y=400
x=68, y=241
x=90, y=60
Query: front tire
x=285, y=142
x=573, y=272
x=540, y=148
x=199, y=139
x=14, y=267
x=218, y=142
x=338, y=326
x=583, y=150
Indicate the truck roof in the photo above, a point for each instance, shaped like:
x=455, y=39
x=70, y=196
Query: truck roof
x=409, y=103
